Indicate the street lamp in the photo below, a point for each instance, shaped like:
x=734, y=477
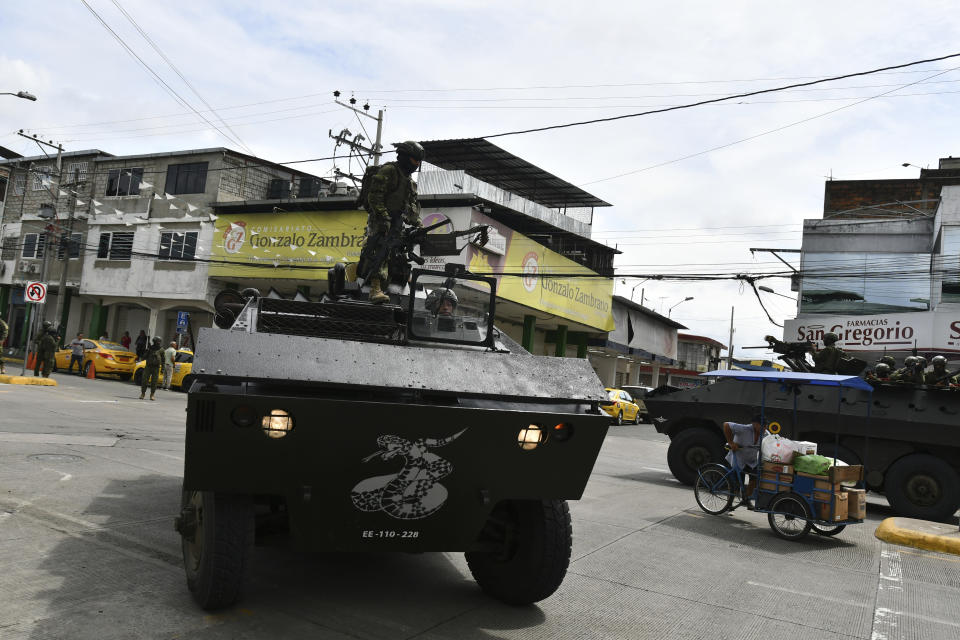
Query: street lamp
x=681, y=302
x=26, y=95
x=769, y=290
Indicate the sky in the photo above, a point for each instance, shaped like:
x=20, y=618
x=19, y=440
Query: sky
x=692, y=190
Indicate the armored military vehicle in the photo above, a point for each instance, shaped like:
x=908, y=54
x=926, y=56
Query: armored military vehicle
x=409, y=426
x=907, y=436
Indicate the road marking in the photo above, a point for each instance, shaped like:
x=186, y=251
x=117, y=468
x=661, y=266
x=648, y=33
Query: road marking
x=58, y=438
x=654, y=469
x=160, y=453
x=819, y=596
x=100, y=401
x=886, y=621
x=63, y=476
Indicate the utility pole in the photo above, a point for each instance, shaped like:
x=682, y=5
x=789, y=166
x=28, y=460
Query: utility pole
x=355, y=143
x=65, y=244
x=730, y=343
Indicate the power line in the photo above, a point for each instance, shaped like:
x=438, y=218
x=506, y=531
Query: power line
x=169, y=62
x=731, y=97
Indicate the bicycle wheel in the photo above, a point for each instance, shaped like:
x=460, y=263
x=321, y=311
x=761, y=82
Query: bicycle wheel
x=713, y=489
x=827, y=530
x=790, y=517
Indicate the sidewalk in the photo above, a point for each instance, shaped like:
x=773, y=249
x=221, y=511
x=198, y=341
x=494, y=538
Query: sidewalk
x=920, y=534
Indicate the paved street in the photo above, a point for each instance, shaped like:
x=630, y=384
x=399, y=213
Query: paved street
x=89, y=485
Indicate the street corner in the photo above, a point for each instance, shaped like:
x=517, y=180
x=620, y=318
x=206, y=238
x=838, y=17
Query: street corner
x=36, y=381
x=920, y=534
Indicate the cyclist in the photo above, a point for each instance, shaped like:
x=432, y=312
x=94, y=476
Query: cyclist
x=744, y=443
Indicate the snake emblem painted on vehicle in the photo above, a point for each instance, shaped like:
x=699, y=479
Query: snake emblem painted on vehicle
x=415, y=491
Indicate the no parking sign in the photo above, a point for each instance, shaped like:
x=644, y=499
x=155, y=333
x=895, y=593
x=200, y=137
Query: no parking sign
x=35, y=292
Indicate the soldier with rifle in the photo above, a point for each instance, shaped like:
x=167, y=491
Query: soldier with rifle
x=939, y=377
x=827, y=360
x=390, y=201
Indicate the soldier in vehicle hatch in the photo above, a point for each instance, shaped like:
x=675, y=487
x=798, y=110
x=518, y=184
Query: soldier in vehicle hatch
x=938, y=376
x=880, y=373
x=911, y=372
x=827, y=359
x=392, y=193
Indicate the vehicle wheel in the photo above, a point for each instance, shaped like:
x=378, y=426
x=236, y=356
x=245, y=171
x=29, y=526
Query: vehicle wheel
x=86, y=368
x=827, y=530
x=691, y=449
x=791, y=517
x=636, y=418
x=922, y=486
x=138, y=377
x=217, y=533
x=535, y=537
x=713, y=489
x=185, y=383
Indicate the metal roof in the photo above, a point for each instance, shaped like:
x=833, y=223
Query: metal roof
x=488, y=162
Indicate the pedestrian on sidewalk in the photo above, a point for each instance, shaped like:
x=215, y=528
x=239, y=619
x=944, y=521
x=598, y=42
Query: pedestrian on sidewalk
x=76, y=354
x=141, y=344
x=125, y=340
x=151, y=370
x=169, y=355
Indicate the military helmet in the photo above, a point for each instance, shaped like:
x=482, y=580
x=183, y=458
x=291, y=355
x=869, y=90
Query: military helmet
x=889, y=361
x=157, y=340
x=939, y=361
x=921, y=362
x=411, y=148
x=829, y=338
x=882, y=370
x=909, y=361
x=47, y=324
x=437, y=296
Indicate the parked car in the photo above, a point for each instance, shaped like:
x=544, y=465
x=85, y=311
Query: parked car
x=107, y=358
x=182, y=366
x=621, y=406
x=638, y=394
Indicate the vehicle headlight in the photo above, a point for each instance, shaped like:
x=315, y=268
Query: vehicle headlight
x=277, y=423
x=243, y=416
x=530, y=436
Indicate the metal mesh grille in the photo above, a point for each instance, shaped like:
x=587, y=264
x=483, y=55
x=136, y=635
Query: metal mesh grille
x=344, y=320
x=203, y=415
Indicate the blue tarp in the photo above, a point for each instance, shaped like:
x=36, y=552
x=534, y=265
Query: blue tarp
x=824, y=379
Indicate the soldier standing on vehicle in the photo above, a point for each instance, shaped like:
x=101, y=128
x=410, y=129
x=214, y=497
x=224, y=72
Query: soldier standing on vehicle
x=46, y=348
x=151, y=370
x=827, y=359
x=441, y=302
x=392, y=193
x=938, y=376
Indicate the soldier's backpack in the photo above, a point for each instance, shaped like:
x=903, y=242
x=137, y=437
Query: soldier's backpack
x=367, y=182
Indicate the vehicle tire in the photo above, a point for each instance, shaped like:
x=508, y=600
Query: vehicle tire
x=922, y=486
x=691, y=449
x=713, y=489
x=619, y=419
x=138, y=377
x=185, y=383
x=86, y=368
x=535, y=537
x=791, y=520
x=217, y=550
x=636, y=418
x=827, y=530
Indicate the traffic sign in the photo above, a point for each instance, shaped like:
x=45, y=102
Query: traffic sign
x=182, y=319
x=35, y=292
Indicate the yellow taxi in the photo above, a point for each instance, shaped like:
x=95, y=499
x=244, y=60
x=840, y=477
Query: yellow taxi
x=621, y=406
x=182, y=365
x=107, y=358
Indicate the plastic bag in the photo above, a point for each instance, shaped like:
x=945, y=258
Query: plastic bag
x=813, y=465
x=777, y=449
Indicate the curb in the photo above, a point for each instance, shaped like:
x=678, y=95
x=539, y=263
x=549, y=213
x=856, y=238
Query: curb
x=36, y=381
x=920, y=534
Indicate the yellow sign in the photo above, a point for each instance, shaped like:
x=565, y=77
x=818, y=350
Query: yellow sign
x=297, y=245
x=551, y=283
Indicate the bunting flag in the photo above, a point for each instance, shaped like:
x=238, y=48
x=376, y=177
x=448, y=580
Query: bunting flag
x=254, y=233
x=96, y=204
x=146, y=185
x=212, y=217
x=276, y=264
x=129, y=224
x=191, y=207
x=233, y=226
x=313, y=253
x=63, y=194
x=157, y=196
x=168, y=196
x=174, y=207
x=81, y=203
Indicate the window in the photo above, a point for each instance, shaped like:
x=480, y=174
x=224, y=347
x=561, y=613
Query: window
x=33, y=244
x=178, y=245
x=39, y=175
x=115, y=245
x=124, y=182
x=19, y=184
x=187, y=178
x=73, y=245
x=183, y=357
x=78, y=169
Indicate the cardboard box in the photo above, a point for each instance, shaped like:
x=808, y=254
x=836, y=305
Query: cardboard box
x=840, y=508
x=822, y=483
x=852, y=473
x=769, y=481
x=804, y=448
x=777, y=467
x=856, y=503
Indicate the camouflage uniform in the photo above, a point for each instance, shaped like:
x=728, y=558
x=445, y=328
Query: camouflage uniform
x=391, y=193
x=46, y=348
x=939, y=371
x=151, y=370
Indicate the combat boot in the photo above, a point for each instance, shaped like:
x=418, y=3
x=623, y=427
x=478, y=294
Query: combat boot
x=377, y=296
